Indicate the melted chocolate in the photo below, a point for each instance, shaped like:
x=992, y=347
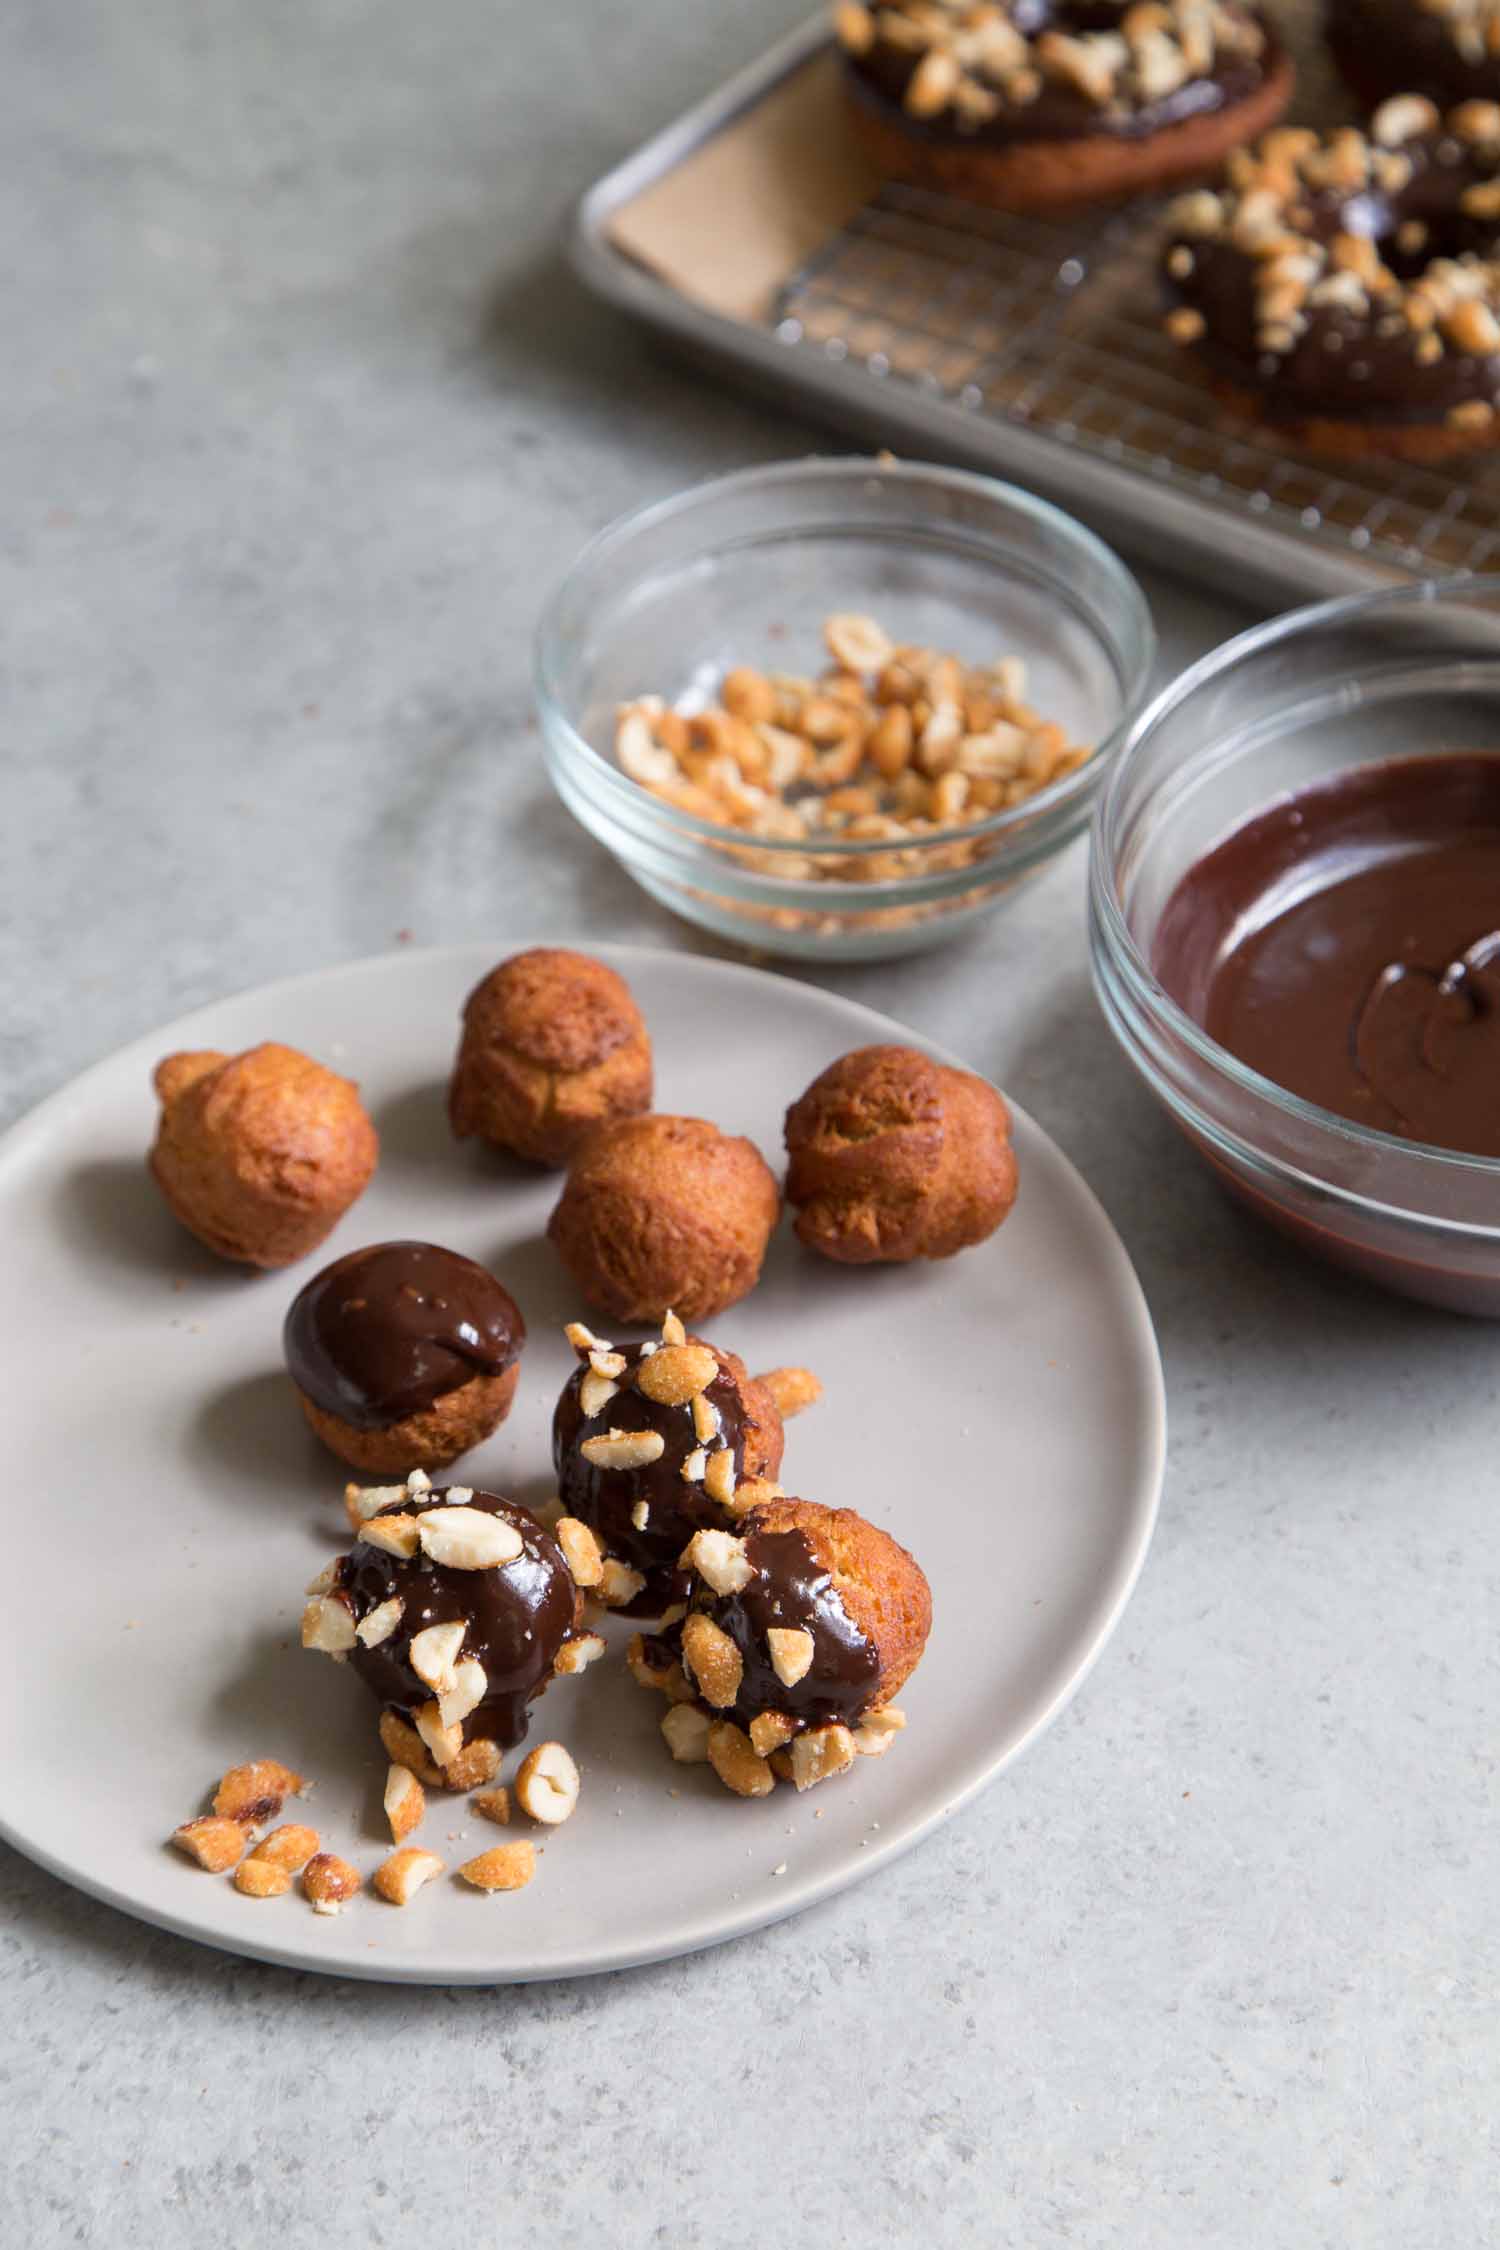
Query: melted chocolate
x=1060, y=112
x=606, y=1499
x=1346, y=944
x=384, y=1332
x=791, y=1588
x=1341, y=363
x=518, y=1617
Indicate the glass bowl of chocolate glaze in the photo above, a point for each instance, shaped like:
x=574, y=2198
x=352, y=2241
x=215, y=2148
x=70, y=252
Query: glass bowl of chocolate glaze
x=1295, y=927
x=743, y=573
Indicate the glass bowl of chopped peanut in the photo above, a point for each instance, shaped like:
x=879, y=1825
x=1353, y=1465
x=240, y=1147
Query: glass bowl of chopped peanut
x=839, y=708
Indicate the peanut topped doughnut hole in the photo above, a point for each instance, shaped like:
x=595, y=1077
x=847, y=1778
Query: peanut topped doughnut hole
x=260, y=1154
x=894, y=1157
x=652, y=1442
x=662, y=1213
x=404, y=1352
x=802, y=1625
x=553, y=1044
x=455, y=1608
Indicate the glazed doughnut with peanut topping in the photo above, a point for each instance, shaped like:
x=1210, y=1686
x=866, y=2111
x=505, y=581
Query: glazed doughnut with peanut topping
x=652, y=1442
x=553, y=1044
x=260, y=1154
x=1344, y=288
x=1047, y=105
x=456, y=1609
x=664, y=1212
x=895, y=1156
x=1446, y=49
x=802, y=1625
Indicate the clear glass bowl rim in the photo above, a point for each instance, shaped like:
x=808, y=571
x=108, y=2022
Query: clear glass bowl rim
x=1134, y=648
x=1144, y=987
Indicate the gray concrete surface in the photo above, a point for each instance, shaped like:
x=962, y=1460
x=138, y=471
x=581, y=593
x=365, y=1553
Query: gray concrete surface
x=300, y=414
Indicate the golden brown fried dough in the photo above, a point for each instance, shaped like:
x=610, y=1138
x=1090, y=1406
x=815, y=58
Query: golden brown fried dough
x=665, y=1214
x=894, y=1156
x=553, y=1044
x=260, y=1154
x=429, y=1439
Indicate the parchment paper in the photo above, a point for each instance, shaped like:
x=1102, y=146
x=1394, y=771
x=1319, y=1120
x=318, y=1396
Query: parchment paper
x=733, y=222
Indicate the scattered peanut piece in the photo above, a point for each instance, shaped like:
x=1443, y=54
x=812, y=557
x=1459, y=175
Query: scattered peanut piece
x=619, y=1584
x=478, y=1762
x=328, y=1883
x=712, y=1659
x=262, y=1878
x=493, y=1804
x=405, y=1802
x=256, y=1792
x=579, y=1653
x=399, y=1878
x=687, y=1729
x=580, y=1550
x=404, y=1747
x=214, y=1843
x=793, y=1389
x=735, y=1761
x=547, y=1784
x=290, y=1847
x=504, y=1867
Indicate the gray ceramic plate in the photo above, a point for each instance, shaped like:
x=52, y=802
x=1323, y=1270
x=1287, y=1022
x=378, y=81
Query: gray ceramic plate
x=1001, y=1413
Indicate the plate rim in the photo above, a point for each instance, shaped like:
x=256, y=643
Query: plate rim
x=1143, y=1508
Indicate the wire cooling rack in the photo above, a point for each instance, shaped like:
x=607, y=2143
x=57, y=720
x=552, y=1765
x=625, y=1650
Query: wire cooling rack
x=1056, y=326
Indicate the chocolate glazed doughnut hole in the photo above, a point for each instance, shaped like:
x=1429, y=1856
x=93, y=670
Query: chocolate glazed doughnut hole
x=894, y=1156
x=801, y=1627
x=404, y=1352
x=455, y=1608
x=553, y=1045
x=665, y=1213
x=652, y=1442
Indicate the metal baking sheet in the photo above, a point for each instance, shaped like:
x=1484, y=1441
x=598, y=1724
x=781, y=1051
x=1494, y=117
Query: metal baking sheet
x=1034, y=349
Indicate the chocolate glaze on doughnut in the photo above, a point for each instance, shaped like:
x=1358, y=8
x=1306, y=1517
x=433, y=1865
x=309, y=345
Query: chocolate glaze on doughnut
x=385, y=1331
x=1388, y=316
x=1060, y=111
x=607, y=1499
x=1397, y=47
x=517, y=1615
x=793, y=1590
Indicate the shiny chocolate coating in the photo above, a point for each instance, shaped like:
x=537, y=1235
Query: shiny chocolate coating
x=791, y=1589
x=386, y=1331
x=1346, y=944
x=518, y=1615
x=1060, y=112
x=1393, y=47
x=1341, y=362
x=606, y=1499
